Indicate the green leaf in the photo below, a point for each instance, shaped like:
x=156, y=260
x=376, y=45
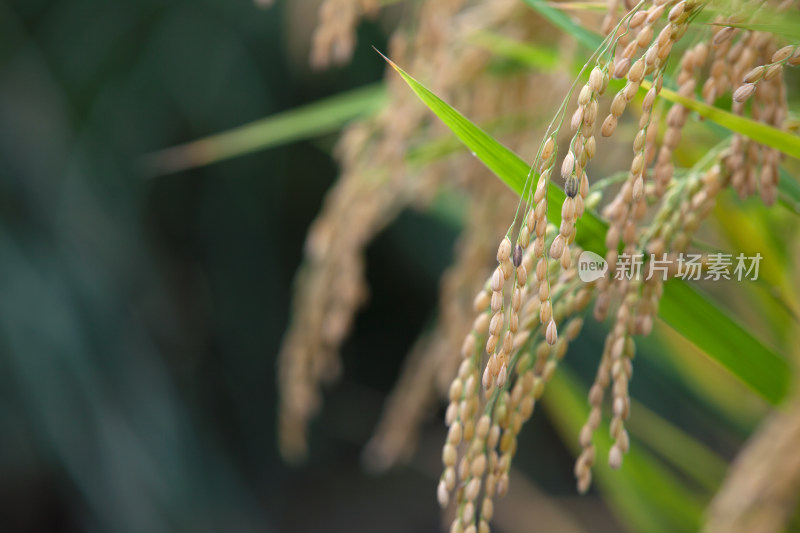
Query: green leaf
x=789, y=191
x=692, y=458
x=504, y=163
x=788, y=188
x=644, y=494
x=757, y=131
x=500, y=160
x=320, y=117
x=563, y=21
x=543, y=59
x=691, y=314
x=531, y=56
x=601, y=7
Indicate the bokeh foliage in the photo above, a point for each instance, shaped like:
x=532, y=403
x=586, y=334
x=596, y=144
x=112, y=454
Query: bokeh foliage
x=140, y=315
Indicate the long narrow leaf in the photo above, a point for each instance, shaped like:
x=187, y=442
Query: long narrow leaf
x=323, y=116
x=789, y=191
x=692, y=458
x=563, y=21
x=504, y=163
x=758, y=131
x=692, y=315
x=682, y=307
x=540, y=58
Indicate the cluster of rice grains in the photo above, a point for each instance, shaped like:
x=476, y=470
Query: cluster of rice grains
x=487, y=410
x=514, y=346
x=532, y=304
x=751, y=64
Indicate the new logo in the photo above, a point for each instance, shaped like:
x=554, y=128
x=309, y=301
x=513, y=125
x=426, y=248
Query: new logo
x=591, y=266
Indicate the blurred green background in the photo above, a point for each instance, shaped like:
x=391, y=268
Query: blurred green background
x=140, y=316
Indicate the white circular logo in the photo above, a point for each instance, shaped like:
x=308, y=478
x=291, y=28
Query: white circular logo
x=591, y=267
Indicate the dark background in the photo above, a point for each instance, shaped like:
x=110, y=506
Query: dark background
x=140, y=318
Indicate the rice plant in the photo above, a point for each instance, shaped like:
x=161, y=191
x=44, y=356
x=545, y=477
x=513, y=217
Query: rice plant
x=691, y=100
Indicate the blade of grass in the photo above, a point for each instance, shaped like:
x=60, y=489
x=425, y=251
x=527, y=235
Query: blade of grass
x=579, y=6
x=532, y=56
x=693, y=459
x=692, y=315
x=320, y=117
x=728, y=399
x=432, y=150
x=503, y=162
x=543, y=59
x=682, y=307
x=563, y=21
x=789, y=191
x=758, y=131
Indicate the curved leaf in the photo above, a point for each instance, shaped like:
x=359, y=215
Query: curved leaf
x=758, y=131
x=587, y=38
x=682, y=307
x=504, y=163
x=323, y=116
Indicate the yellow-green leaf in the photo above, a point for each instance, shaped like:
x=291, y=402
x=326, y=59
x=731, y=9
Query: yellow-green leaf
x=560, y=19
x=323, y=116
x=762, y=133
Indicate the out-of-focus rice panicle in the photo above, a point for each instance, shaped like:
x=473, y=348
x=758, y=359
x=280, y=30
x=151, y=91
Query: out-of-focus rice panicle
x=334, y=38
